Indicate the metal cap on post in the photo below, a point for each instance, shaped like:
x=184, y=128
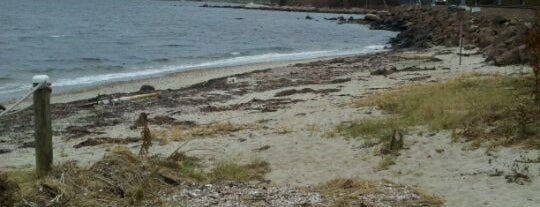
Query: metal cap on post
x=42, y=125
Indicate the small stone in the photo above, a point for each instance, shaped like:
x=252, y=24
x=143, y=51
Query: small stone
x=193, y=195
x=214, y=195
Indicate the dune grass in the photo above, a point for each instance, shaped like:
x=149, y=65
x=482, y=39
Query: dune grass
x=369, y=128
x=229, y=170
x=474, y=107
x=120, y=178
x=358, y=192
x=386, y=162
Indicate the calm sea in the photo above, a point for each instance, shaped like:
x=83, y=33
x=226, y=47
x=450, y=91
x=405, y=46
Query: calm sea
x=81, y=43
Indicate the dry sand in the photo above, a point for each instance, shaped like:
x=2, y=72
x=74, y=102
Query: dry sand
x=292, y=138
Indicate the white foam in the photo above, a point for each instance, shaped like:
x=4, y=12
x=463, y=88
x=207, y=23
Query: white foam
x=270, y=57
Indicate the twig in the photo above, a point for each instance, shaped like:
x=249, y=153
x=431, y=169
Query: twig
x=180, y=147
x=199, y=149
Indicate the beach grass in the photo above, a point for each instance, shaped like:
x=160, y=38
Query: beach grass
x=228, y=170
x=386, y=162
x=347, y=192
x=368, y=128
x=473, y=106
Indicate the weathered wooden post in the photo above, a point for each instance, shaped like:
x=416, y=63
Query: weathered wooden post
x=42, y=125
x=461, y=17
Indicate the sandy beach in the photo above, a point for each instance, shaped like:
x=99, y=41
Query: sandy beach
x=174, y=80
x=282, y=113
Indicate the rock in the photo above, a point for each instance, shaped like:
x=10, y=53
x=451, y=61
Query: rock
x=508, y=57
x=231, y=80
x=3, y=151
x=524, y=53
x=193, y=194
x=146, y=88
x=30, y=144
x=499, y=20
x=383, y=13
x=263, y=148
x=469, y=47
x=372, y=18
x=309, y=17
x=485, y=37
x=2, y=108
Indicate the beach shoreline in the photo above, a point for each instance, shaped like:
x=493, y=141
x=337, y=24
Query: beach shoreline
x=173, y=80
x=281, y=114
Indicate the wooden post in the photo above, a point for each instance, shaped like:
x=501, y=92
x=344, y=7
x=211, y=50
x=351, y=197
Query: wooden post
x=42, y=125
x=461, y=17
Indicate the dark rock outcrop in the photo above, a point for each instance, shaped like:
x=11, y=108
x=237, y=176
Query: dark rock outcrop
x=499, y=38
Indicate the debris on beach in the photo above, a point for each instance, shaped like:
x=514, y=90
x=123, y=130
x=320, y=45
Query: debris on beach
x=105, y=140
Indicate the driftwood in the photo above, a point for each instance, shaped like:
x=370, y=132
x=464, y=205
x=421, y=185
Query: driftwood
x=395, y=144
x=125, y=98
x=146, y=137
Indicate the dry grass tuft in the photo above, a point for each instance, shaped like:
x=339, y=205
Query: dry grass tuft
x=232, y=171
x=9, y=191
x=122, y=179
x=367, y=128
x=478, y=108
x=385, y=163
x=182, y=132
x=357, y=192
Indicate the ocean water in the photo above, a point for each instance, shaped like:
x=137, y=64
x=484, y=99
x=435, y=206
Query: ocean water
x=83, y=43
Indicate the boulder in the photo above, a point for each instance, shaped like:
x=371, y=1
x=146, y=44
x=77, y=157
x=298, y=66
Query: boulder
x=384, y=13
x=146, y=88
x=485, y=37
x=372, y=18
x=524, y=53
x=2, y=108
x=508, y=57
x=499, y=20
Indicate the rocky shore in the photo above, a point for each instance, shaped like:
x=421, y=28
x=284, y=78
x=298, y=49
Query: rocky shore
x=253, y=6
x=499, y=36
